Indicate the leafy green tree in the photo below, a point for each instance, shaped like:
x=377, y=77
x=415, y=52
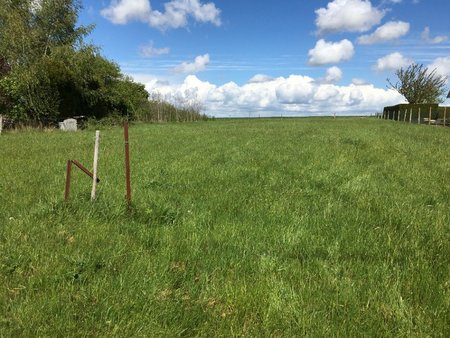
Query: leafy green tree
x=419, y=85
x=30, y=31
x=48, y=73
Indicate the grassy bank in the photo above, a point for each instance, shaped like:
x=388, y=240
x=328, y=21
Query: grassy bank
x=238, y=228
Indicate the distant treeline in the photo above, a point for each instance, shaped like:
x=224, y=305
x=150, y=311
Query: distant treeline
x=162, y=111
x=48, y=73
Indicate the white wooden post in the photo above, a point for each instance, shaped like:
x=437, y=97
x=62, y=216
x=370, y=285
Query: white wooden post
x=94, y=178
x=1, y=123
x=410, y=116
x=418, y=120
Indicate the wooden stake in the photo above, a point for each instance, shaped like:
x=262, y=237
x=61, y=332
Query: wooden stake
x=94, y=178
x=410, y=116
x=127, y=164
x=418, y=120
x=1, y=123
x=429, y=117
x=68, y=177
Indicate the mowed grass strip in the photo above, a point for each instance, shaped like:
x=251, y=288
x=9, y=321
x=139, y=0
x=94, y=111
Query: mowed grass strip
x=281, y=227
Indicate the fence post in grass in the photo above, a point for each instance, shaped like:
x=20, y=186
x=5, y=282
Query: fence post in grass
x=94, y=178
x=1, y=123
x=68, y=177
x=418, y=120
x=429, y=117
x=127, y=164
x=410, y=116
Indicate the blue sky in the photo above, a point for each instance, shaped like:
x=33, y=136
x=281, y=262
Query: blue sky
x=269, y=57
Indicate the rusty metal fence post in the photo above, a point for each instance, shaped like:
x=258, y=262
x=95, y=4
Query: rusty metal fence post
x=68, y=177
x=127, y=164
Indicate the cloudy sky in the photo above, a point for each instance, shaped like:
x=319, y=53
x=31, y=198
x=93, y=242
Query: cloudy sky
x=272, y=57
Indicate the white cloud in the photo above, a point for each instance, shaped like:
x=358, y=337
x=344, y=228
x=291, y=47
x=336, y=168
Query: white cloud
x=392, y=61
x=359, y=82
x=123, y=11
x=325, y=93
x=330, y=52
x=198, y=65
x=295, y=89
x=149, y=50
x=347, y=16
x=389, y=31
x=295, y=95
x=437, y=39
x=176, y=13
x=442, y=66
x=259, y=78
x=334, y=74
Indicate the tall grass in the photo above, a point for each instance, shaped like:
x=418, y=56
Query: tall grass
x=238, y=228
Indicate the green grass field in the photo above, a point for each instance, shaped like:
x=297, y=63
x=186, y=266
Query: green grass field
x=256, y=228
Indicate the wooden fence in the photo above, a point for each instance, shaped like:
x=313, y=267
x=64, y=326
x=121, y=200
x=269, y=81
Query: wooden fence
x=434, y=115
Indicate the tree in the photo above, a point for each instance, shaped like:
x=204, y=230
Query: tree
x=30, y=33
x=48, y=73
x=418, y=85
